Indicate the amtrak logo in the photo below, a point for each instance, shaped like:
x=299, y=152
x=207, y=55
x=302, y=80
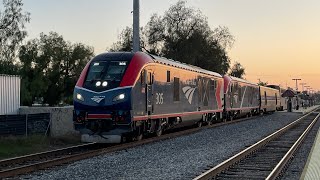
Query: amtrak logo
x=97, y=99
x=188, y=92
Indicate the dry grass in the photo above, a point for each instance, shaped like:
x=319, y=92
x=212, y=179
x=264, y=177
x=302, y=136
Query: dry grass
x=17, y=146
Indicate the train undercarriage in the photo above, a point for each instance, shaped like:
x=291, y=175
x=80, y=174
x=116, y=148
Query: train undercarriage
x=108, y=131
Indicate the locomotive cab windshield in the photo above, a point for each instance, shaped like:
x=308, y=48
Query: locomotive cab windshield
x=105, y=75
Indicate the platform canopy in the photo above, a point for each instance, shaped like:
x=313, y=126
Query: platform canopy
x=288, y=93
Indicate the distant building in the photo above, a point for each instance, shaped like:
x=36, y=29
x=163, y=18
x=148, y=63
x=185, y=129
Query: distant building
x=9, y=94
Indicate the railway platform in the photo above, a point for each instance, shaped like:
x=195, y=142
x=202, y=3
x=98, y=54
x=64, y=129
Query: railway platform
x=312, y=168
x=305, y=110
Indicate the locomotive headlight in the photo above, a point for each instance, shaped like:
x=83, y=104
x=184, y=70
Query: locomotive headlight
x=79, y=97
x=119, y=97
x=105, y=83
x=98, y=83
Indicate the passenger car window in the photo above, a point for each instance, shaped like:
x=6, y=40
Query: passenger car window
x=168, y=76
x=150, y=78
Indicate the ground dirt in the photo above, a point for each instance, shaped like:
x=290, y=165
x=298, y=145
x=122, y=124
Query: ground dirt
x=14, y=146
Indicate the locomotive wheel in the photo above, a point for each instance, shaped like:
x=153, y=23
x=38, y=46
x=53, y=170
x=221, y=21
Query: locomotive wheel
x=212, y=120
x=261, y=113
x=139, y=137
x=199, y=124
x=139, y=134
x=160, y=127
x=124, y=139
x=159, y=131
x=230, y=117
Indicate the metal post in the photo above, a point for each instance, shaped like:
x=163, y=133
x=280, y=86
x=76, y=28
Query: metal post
x=26, y=125
x=49, y=125
x=296, y=83
x=136, y=35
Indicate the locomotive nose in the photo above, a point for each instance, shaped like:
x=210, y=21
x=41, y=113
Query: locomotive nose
x=110, y=99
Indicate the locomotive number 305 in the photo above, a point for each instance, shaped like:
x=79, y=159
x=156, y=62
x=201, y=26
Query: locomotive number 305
x=159, y=98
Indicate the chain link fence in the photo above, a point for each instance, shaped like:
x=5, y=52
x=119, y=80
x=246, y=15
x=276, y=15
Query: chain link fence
x=25, y=124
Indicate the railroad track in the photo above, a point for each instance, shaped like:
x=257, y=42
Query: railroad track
x=267, y=158
x=29, y=163
x=23, y=164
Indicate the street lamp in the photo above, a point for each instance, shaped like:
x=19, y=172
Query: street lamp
x=296, y=83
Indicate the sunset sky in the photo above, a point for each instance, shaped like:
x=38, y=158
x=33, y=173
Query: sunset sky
x=276, y=40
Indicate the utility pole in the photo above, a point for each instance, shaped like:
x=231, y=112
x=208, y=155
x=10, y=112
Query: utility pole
x=296, y=83
x=136, y=33
x=302, y=84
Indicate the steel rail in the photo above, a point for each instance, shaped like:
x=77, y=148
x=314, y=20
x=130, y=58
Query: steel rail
x=280, y=166
x=92, y=153
x=244, y=153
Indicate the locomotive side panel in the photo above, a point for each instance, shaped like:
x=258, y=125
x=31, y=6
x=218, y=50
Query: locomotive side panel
x=241, y=97
x=138, y=95
x=250, y=96
x=176, y=93
x=270, y=99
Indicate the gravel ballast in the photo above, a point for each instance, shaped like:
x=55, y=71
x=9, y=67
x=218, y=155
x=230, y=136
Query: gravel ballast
x=179, y=158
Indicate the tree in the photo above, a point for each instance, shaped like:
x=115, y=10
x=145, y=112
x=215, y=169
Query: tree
x=154, y=34
x=261, y=83
x=237, y=70
x=79, y=55
x=179, y=33
x=50, y=67
x=125, y=41
x=223, y=37
x=183, y=34
x=12, y=32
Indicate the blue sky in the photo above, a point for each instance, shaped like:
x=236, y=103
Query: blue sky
x=274, y=38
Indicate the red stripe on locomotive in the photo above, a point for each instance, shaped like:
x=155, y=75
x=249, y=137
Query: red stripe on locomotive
x=99, y=116
x=133, y=70
x=83, y=75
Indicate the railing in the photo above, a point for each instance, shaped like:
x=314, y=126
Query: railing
x=25, y=124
